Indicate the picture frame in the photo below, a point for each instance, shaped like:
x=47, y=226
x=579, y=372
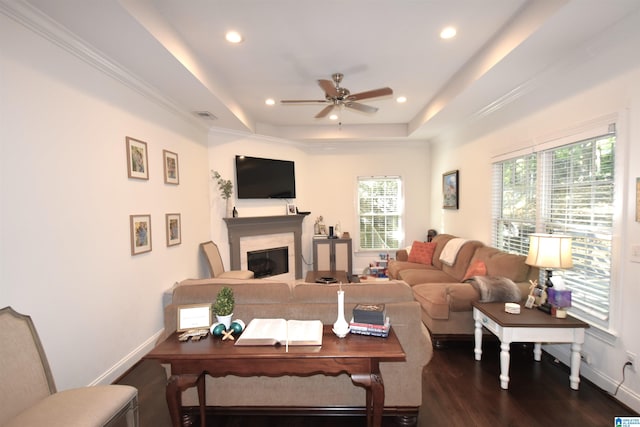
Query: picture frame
x=637, y=199
x=140, y=230
x=171, y=171
x=173, y=229
x=450, y=190
x=291, y=209
x=137, y=159
x=194, y=316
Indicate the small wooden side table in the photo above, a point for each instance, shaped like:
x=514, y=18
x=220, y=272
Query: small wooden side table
x=531, y=325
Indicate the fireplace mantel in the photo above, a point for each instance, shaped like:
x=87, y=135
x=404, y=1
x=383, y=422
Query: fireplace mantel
x=262, y=225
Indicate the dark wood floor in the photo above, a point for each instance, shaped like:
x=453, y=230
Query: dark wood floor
x=457, y=391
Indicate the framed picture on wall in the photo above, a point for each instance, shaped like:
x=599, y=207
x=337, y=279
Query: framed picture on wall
x=140, y=230
x=170, y=161
x=638, y=199
x=174, y=233
x=137, y=160
x=450, y=187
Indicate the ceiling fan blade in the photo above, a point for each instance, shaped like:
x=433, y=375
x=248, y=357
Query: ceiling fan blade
x=371, y=94
x=361, y=107
x=328, y=87
x=303, y=101
x=325, y=111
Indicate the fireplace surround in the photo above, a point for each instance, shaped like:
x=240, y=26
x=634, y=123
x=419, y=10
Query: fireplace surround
x=265, y=225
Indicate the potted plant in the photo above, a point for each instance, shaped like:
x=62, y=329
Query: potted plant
x=226, y=188
x=223, y=306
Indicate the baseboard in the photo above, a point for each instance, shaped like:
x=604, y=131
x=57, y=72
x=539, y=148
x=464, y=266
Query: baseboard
x=116, y=371
x=608, y=385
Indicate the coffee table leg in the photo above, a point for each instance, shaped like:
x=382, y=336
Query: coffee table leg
x=574, y=378
x=505, y=359
x=478, y=340
x=375, y=396
x=175, y=386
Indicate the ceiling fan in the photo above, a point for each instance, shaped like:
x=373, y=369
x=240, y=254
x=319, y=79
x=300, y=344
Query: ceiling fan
x=337, y=96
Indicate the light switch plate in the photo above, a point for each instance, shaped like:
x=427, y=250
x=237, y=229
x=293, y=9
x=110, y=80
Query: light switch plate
x=635, y=253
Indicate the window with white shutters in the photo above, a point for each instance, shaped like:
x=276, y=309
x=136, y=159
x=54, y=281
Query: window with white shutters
x=567, y=189
x=380, y=203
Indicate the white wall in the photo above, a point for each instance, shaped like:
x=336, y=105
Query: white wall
x=66, y=199
x=326, y=177
x=618, y=94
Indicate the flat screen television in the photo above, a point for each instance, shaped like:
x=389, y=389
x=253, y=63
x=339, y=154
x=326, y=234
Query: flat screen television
x=259, y=178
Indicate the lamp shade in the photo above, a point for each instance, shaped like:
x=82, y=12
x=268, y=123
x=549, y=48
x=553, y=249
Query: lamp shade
x=549, y=251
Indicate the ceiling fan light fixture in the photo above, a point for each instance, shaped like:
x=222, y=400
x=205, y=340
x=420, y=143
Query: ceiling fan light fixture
x=448, y=33
x=401, y=99
x=333, y=117
x=270, y=101
x=233, y=37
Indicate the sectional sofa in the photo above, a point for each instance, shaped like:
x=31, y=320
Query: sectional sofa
x=445, y=291
x=273, y=299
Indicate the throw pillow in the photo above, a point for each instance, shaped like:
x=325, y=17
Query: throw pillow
x=496, y=289
x=422, y=252
x=476, y=268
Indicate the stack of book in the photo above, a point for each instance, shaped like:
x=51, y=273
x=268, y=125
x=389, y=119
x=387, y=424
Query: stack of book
x=370, y=319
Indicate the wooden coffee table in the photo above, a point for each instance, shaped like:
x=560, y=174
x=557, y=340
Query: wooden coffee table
x=357, y=355
x=531, y=325
x=340, y=276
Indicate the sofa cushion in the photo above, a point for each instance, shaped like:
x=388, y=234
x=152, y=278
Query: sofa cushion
x=259, y=291
x=422, y=252
x=476, y=268
x=395, y=267
x=503, y=264
x=496, y=289
x=433, y=299
x=463, y=259
x=440, y=240
x=415, y=276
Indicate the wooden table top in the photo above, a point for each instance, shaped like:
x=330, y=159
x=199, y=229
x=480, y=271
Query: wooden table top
x=213, y=348
x=528, y=317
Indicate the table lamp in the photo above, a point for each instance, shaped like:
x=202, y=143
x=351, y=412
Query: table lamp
x=549, y=251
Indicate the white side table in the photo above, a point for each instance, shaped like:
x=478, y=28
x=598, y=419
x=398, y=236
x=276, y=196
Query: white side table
x=531, y=325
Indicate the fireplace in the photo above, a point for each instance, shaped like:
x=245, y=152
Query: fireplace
x=268, y=262
x=246, y=234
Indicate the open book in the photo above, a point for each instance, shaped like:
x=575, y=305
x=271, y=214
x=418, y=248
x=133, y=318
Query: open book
x=281, y=331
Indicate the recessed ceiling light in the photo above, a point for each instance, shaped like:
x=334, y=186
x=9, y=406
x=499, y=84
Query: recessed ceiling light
x=448, y=33
x=401, y=99
x=270, y=101
x=333, y=117
x=233, y=37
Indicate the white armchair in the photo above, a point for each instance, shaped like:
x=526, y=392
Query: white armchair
x=28, y=396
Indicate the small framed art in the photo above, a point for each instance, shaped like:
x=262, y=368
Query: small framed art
x=174, y=233
x=170, y=161
x=194, y=316
x=291, y=209
x=137, y=159
x=140, y=229
x=450, y=188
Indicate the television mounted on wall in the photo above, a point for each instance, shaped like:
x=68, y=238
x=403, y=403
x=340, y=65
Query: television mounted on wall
x=259, y=178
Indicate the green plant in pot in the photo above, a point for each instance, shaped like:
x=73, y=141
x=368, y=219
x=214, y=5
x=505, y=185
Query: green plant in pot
x=223, y=306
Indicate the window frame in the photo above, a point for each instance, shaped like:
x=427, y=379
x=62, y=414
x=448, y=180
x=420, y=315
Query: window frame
x=400, y=213
x=605, y=330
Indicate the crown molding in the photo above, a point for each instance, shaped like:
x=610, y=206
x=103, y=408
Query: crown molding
x=35, y=20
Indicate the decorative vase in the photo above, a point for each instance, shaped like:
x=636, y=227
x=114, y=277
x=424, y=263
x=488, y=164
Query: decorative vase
x=225, y=320
x=229, y=208
x=341, y=326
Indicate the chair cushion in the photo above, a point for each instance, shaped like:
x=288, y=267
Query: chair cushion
x=236, y=274
x=87, y=406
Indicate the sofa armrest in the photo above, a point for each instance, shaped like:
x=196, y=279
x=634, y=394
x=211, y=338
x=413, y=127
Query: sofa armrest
x=461, y=295
x=402, y=255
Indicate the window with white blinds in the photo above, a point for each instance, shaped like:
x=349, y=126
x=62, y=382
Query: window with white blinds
x=567, y=189
x=380, y=212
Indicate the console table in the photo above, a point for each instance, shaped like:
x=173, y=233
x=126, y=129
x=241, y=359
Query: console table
x=531, y=325
x=357, y=355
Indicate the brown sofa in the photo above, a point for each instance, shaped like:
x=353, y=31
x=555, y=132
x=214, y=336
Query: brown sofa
x=267, y=299
x=444, y=297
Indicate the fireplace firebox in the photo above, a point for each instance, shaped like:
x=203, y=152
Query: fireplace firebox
x=268, y=262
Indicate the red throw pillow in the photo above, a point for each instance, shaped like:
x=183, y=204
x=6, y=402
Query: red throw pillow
x=476, y=268
x=422, y=252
